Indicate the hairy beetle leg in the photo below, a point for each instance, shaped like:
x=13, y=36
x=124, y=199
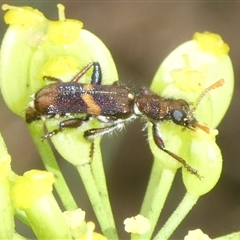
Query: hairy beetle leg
x=159, y=142
x=69, y=123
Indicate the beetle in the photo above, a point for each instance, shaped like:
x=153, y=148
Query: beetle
x=112, y=105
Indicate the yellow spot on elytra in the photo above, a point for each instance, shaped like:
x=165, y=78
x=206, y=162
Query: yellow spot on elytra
x=92, y=107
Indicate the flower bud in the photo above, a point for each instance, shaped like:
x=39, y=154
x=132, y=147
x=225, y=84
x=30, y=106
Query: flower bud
x=194, y=66
x=75, y=218
x=30, y=187
x=205, y=156
x=138, y=224
x=32, y=193
x=196, y=234
x=32, y=42
x=33, y=47
x=185, y=74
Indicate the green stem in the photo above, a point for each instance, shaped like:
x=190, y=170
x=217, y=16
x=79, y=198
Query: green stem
x=22, y=217
x=151, y=188
x=157, y=192
x=177, y=216
x=6, y=207
x=51, y=165
x=105, y=220
x=6, y=211
x=100, y=180
x=46, y=219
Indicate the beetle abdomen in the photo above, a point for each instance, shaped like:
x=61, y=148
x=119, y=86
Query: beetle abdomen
x=63, y=98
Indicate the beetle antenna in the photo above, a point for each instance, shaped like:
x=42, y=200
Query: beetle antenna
x=204, y=128
x=217, y=84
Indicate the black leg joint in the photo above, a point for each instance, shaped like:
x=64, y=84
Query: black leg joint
x=97, y=74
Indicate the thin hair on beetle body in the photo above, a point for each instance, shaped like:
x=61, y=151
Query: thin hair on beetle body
x=113, y=106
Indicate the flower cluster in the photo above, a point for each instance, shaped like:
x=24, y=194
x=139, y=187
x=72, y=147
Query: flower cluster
x=34, y=47
x=186, y=73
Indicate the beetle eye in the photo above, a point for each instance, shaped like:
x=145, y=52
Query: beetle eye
x=178, y=116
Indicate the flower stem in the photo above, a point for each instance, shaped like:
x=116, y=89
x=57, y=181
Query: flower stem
x=158, y=188
x=47, y=220
x=151, y=188
x=22, y=217
x=51, y=165
x=98, y=202
x=100, y=180
x=6, y=208
x=178, y=215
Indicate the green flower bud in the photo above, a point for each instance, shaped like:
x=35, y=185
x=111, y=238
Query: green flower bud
x=71, y=144
x=33, y=49
x=30, y=187
x=32, y=193
x=32, y=42
x=173, y=138
x=186, y=73
x=205, y=156
x=194, y=66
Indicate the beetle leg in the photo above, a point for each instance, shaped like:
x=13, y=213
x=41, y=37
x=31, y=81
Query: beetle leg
x=96, y=75
x=94, y=132
x=159, y=142
x=69, y=123
x=50, y=78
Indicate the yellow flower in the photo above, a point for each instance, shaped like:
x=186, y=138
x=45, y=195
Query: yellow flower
x=31, y=187
x=138, y=224
x=75, y=218
x=211, y=43
x=32, y=193
x=196, y=235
